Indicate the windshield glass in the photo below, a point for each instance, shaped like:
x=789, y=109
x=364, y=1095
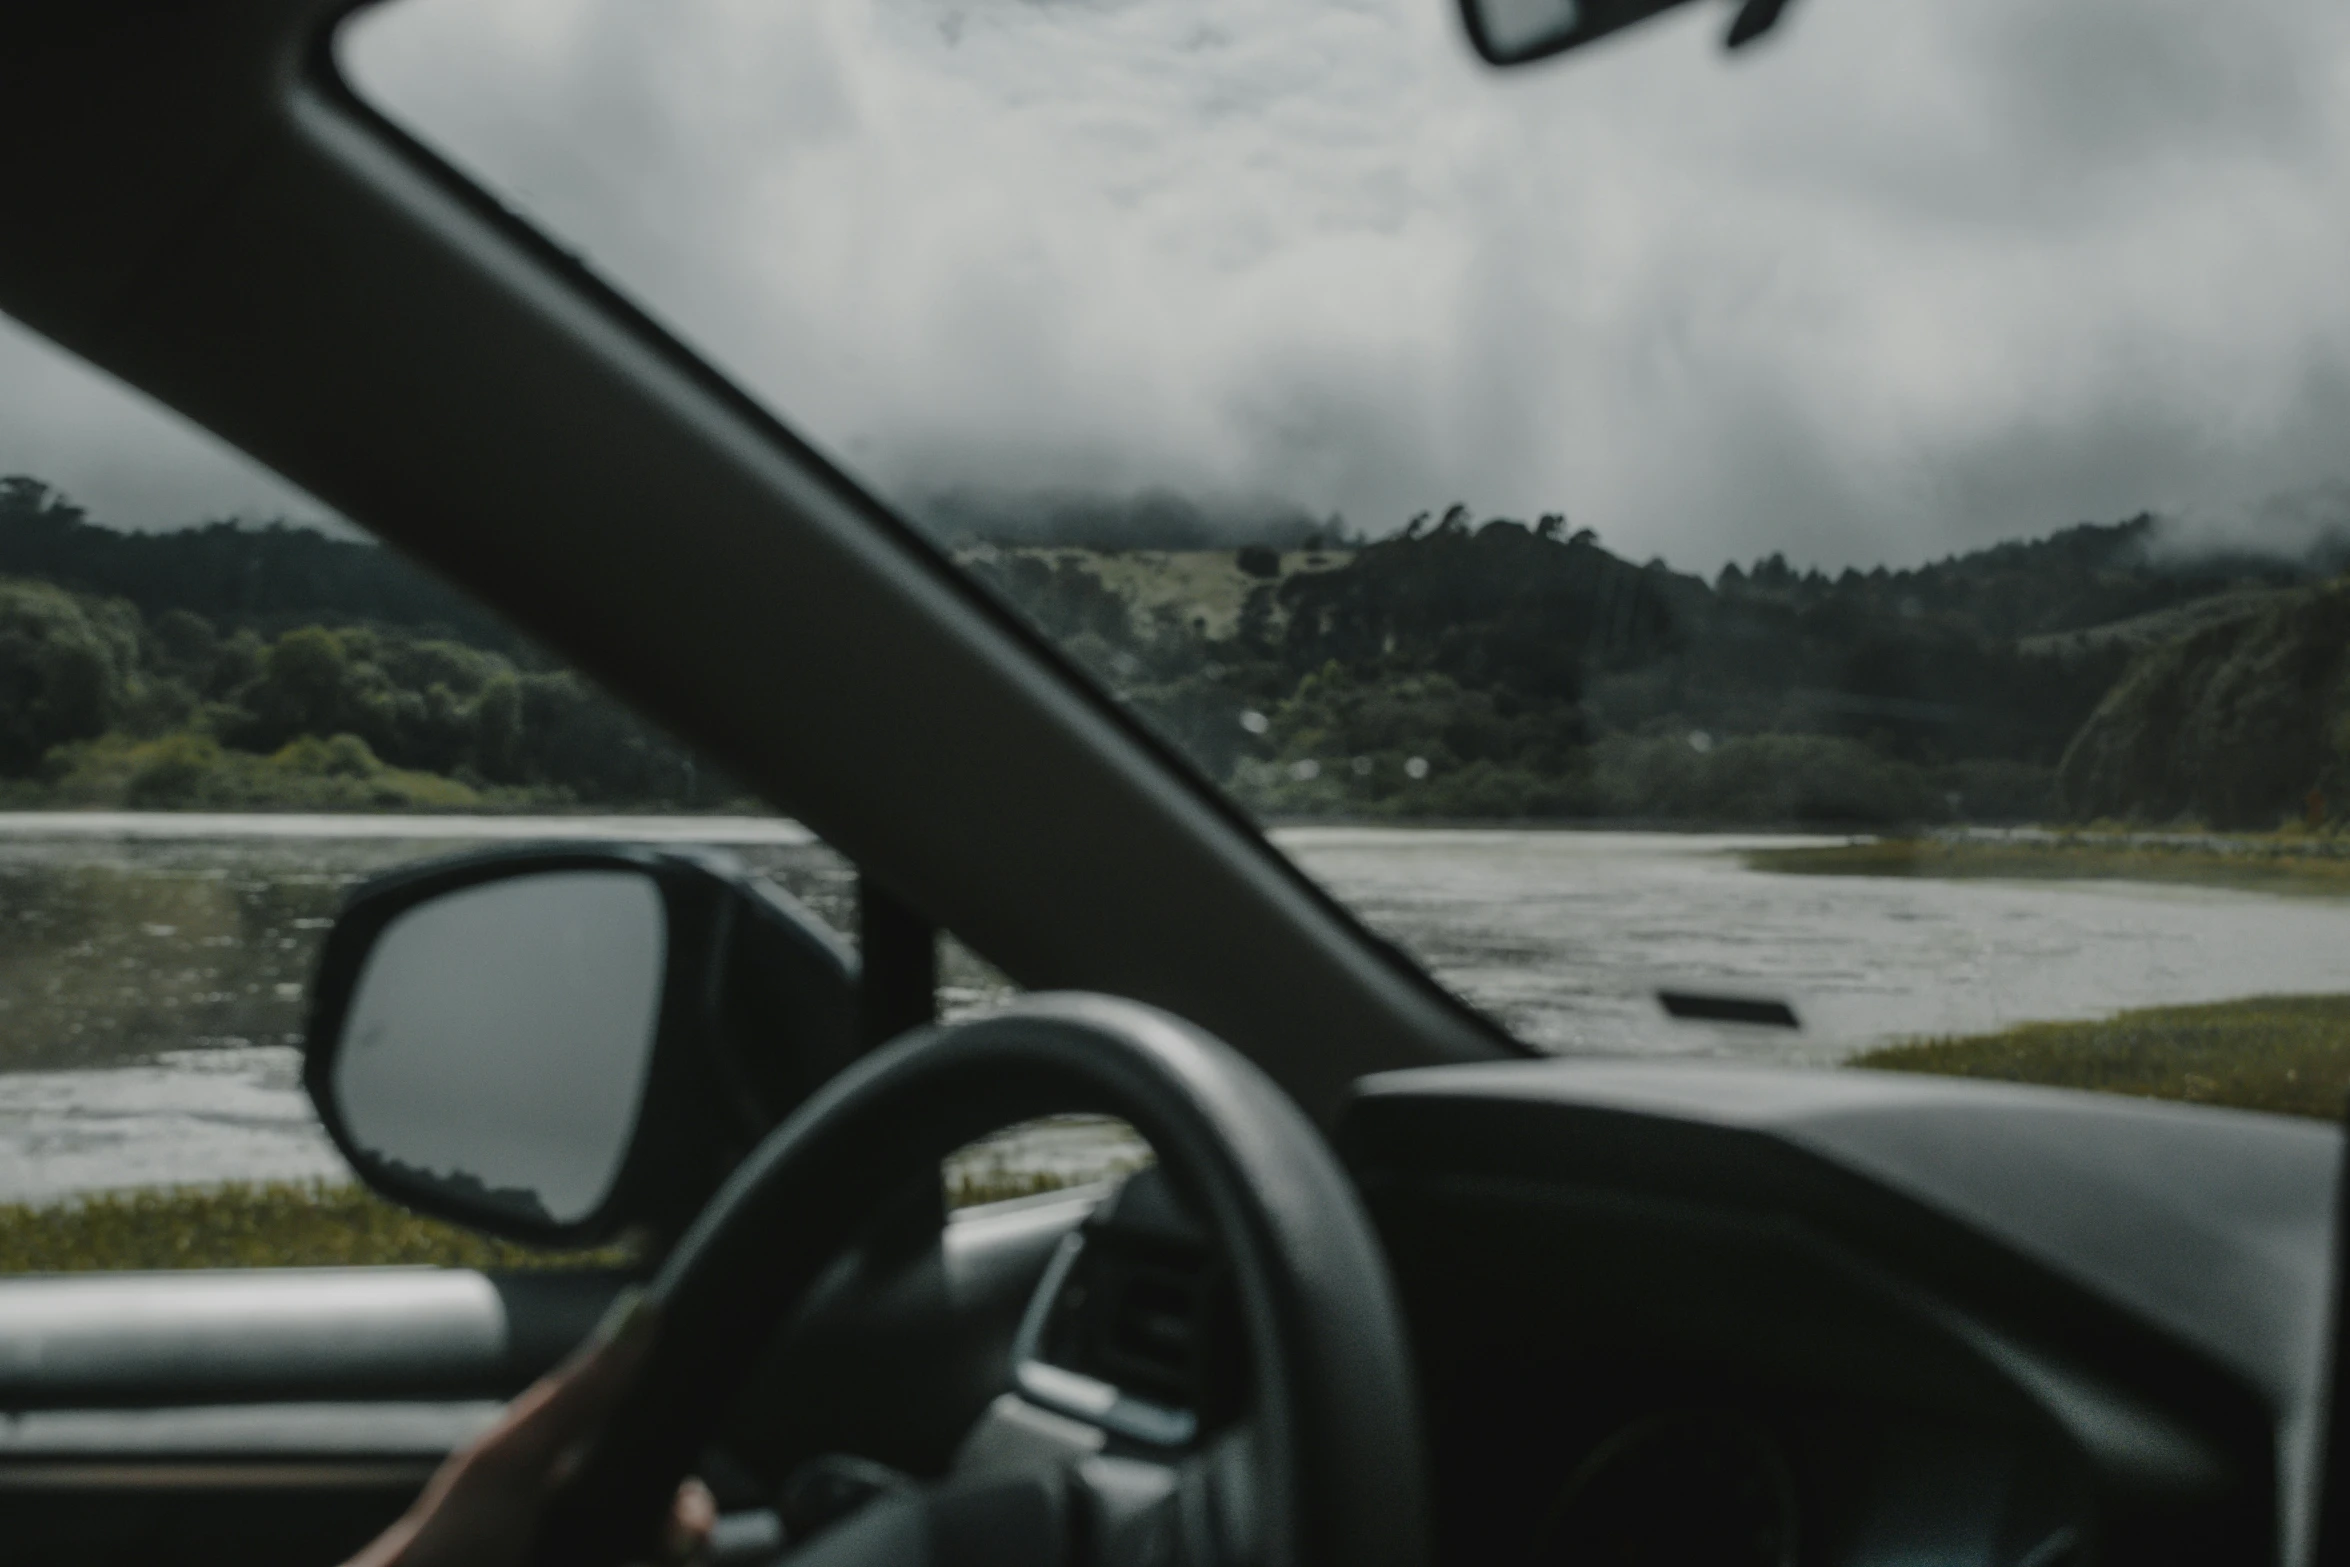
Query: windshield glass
x=1820, y=555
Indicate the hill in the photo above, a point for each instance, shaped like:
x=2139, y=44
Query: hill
x=265, y=579
x=2137, y=633
x=2242, y=722
x=382, y=690
x=2092, y=574
x=1531, y=672
x=1455, y=669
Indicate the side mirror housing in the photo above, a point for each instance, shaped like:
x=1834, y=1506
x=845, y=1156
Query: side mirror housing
x=561, y=1044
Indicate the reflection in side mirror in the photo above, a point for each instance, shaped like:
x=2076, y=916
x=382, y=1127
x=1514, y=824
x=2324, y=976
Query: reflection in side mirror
x=499, y=1037
x=569, y=1043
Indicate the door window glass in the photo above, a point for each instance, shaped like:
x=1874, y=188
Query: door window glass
x=213, y=721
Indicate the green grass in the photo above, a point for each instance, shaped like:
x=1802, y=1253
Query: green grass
x=275, y=1224
x=192, y=771
x=2289, y=1054
x=315, y=1224
x=2278, y=864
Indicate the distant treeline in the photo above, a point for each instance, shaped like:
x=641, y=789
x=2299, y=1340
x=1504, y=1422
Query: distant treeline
x=1457, y=668
x=1479, y=669
x=384, y=689
x=265, y=579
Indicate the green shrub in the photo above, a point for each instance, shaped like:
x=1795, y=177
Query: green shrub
x=321, y=1224
x=192, y=770
x=68, y=667
x=358, y=717
x=172, y=772
x=341, y=756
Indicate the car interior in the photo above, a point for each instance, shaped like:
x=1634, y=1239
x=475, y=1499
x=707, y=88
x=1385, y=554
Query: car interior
x=1396, y=1289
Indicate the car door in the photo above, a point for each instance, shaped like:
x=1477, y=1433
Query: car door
x=212, y=1340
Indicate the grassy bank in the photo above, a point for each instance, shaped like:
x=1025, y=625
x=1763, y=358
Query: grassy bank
x=2278, y=863
x=2289, y=1054
x=194, y=771
x=305, y=1224
x=285, y=1224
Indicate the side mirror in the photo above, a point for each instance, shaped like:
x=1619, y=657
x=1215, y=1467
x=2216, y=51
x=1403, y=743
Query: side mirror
x=561, y=1044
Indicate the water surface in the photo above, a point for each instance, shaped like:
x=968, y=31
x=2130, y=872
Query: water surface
x=1566, y=937
x=153, y=968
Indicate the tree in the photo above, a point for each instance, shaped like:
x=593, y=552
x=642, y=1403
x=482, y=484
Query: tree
x=300, y=690
x=67, y=667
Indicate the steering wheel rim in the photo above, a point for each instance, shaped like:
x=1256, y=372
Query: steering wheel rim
x=1339, y=1469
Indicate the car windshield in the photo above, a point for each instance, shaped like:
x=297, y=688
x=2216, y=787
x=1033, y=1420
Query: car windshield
x=1827, y=554
x=1820, y=554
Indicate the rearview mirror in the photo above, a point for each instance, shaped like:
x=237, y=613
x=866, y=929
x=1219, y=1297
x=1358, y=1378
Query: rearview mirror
x=1516, y=32
x=559, y=1044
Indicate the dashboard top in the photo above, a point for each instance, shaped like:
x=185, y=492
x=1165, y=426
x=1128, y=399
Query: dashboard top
x=2213, y=1226
x=2178, y=1257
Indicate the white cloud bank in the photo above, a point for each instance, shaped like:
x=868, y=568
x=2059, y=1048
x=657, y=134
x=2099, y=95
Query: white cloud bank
x=1911, y=276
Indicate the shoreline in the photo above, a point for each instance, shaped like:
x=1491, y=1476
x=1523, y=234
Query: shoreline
x=663, y=827
x=670, y=825
x=2273, y=865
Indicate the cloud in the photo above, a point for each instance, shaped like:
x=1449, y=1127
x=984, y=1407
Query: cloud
x=2109, y=86
x=1910, y=276
x=2310, y=525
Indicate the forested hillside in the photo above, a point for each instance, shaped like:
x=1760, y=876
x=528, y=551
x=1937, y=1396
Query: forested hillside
x=2239, y=724
x=144, y=670
x=1470, y=669
x=266, y=579
x=1458, y=668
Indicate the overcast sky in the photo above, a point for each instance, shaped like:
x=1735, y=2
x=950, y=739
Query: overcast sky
x=1912, y=276
x=122, y=457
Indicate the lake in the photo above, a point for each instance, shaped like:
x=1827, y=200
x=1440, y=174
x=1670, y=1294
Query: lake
x=152, y=967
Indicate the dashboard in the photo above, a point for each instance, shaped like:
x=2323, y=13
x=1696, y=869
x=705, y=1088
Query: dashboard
x=1687, y=1314
x=1718, y=1317
x=1637, y=1384
x=1705, y=1314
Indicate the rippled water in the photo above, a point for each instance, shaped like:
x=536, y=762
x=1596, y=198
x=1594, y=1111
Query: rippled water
x=126, y=934
x=153, y=972
x=152, y=968
x=1566, y=937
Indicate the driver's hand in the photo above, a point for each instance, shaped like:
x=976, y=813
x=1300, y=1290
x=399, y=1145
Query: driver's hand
x=482, y=1507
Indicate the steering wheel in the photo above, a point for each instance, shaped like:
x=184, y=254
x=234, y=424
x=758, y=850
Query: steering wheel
x=1323, y=1469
